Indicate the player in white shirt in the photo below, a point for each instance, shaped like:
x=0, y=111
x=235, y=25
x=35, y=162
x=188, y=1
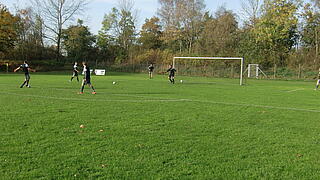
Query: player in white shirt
x=75, y=72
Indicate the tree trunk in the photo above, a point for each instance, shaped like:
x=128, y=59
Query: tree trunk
x=275, y=71
x=317, y=49
x=58, y=49
x=299, y=73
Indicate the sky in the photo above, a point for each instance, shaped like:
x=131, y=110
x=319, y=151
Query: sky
x=96, y=9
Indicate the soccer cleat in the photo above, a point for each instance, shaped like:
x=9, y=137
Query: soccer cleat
x=80, y=92
x=28, y=86
x=94, y=93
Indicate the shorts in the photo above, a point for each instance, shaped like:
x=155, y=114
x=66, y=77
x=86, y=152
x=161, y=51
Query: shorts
x=171, y=76
x=75, y=73
x=27, y=76
x=87, y=81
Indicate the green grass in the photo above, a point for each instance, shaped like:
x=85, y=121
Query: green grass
x=149, y=129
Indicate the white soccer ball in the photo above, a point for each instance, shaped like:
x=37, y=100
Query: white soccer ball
x=181, y=81
x=113, y=82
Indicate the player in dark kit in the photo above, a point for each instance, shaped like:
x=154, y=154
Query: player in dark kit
x=151, y=68
x=86, y=79
x=25, y=68
x=75, y=72
x=171, y=71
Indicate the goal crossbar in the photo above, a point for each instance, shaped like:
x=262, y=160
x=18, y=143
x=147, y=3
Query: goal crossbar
x=241, y=59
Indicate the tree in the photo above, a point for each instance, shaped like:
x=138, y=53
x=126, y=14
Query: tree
x=311, y=29
x=29, y=41
x=126, y=30
x=78, y=42
x=8, y=30
x=55, y=15
x=219, y=34
x=181, y=20
x=316, y=3
x=251, y=10
x=190, y=14
x=119, y=30
x=276, y=30
x=150, y=35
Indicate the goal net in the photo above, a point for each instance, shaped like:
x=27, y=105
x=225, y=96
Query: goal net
x=254, y=71
x=231, y=67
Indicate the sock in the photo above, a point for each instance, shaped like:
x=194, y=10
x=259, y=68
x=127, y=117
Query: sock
x=93, y=89
x=172, y=81
x=77, y=78
x=23, y=84
x=82, y=88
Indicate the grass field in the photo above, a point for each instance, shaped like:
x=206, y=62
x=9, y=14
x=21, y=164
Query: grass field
x=149, y=129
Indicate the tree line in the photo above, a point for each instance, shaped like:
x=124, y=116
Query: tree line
x=272, y=33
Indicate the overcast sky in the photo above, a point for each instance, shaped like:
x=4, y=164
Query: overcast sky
x=146, y=9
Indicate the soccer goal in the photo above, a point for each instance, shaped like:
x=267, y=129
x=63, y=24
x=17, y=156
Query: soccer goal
x=254, y=71
x=6, y=65
x=240, y=61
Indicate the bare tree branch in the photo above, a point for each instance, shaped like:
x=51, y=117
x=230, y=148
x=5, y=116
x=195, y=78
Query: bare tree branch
x=250, y=10
x=56, y=13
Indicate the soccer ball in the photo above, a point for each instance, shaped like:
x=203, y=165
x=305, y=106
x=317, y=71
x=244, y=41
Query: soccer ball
x=181, y=81
x=113, y=82
x=81, y=126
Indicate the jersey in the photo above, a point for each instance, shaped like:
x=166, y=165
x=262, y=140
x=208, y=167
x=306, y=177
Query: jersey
x=75, y=68
x=151, y=68
x=86, y=71
x=171, y=71
x=25, y=68
x=75, y=71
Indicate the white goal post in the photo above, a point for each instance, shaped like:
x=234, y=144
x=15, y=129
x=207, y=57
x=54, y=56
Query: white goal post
x=241, y=59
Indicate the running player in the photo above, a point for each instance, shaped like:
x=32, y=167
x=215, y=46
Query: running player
x=86, y=79
x=318, y=81
x=75, y=72
x=171, y=71
x=151, y=68
x=25, y=68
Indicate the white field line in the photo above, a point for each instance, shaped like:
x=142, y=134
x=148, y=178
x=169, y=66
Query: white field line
x=295, y=90
x=170, y=100
x=100, y=100
x=121, y=95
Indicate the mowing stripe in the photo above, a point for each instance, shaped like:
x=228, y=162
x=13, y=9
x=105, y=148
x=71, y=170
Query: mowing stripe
x=170, y=100
x=258, y=106
x=100, y=100
x=295, y=90
x=117, y=94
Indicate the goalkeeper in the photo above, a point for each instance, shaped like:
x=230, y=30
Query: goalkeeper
x=172, y=72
